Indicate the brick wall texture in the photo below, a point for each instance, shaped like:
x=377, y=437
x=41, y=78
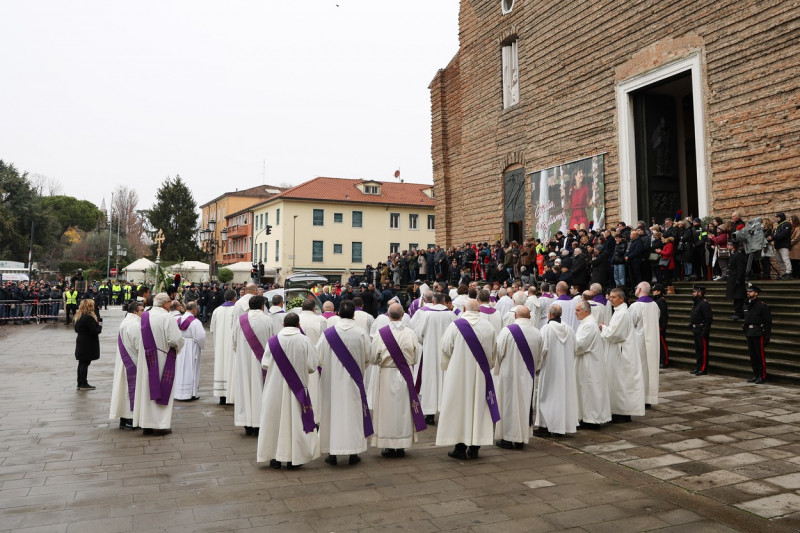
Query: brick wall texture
x=572, y=54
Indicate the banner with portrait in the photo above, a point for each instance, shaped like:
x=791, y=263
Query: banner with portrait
x=568, y=196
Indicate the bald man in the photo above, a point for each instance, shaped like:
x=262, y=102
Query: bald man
x=517, y=352
x=644, y=314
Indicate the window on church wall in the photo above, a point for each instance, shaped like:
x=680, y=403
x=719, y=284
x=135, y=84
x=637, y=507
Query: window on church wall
x=431, y=222
x=506, y=6
x=510, y=58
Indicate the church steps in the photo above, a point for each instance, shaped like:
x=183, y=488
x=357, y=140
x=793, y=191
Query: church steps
x=728, y=347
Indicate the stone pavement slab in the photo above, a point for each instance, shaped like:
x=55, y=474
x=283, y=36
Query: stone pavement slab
x=715, y=455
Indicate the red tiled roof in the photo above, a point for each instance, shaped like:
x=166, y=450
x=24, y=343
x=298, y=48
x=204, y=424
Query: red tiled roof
x=345, y=190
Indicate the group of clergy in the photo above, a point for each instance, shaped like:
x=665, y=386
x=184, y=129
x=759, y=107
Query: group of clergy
x=309, y=384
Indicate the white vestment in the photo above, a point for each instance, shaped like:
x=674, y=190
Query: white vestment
x=248, y=375
x=276, y=314
x=601, y=311
x=392, y=421
x=146, y=412
x=460, y=301
x=222, y=330
x=544, y=308
x=241, y=307
x=464, y=416
x=363, y=320
x=516, y=393
x=313, y=325
x=504, y=305
x=187, y=367
x=534, y=306
x=341, y=428
x=494, y=319
x=281, y=435
x=430, y=330
x=623, y=365
x=644, y=317
x=383, y=320
x=417, y=314
x=131, y=332
x=594, y=405
x=557, y=399
x=371, y=373
x=567, y=312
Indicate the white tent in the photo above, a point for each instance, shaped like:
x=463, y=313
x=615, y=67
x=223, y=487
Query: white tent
x=241, y=271
x=195, y=271
x=137, y=271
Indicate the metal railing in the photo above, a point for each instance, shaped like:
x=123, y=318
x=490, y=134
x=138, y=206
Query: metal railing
x=26, y=311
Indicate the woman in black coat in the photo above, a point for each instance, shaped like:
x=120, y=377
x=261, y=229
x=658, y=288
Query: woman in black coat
x=735, y=284
x=87, y=346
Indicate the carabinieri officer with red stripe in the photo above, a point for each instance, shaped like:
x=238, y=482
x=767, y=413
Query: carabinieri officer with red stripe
x=700, y=323
x=757, y=328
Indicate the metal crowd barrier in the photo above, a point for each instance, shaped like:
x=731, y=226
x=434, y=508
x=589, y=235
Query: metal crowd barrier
x=16, y=311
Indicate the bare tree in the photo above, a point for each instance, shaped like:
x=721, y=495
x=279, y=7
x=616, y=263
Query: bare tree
x=131, y=223
x=45, y=185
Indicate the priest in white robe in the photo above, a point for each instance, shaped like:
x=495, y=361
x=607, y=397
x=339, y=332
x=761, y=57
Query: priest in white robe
x=362, y=319
x=601, y=310
x=567, y=305
x=187, y=368
x=277, y=312
x=504, y=302
x=426, y=303
x=489, y=313
x=534, y=305
x=124, y=385
x=545, y=301
x=623, y=363
x=594, y=405
x=312, y=325
x=557, y=397
x=283, y=436
x=241, y=307
x=345, y=420
x=395, y=409
x=461, y=298
x=222, y=330
x=516, y=393
x=383, y=319
x=465, y=420
x=518, y=298
x=644, y=317
x=430, y=329
x=153, y=412
x=249, y=340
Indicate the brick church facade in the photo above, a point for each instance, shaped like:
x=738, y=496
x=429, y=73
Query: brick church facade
x=692, y=104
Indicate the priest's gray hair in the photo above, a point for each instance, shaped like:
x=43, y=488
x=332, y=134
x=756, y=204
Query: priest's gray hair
x=175, y=305
x=644, y=287
x=438, y=298
x=584, y=306
x=160, y=299
x=395, y=312
x=587, y=295
x=555, y=311
x=327, y=306
x=596, y=288
x=251, y=288
x=483, y=296
x=428, y=296
x=520, y=297
x=521, y=311
x=191, y=305
x=501, y=293
x=472, y=305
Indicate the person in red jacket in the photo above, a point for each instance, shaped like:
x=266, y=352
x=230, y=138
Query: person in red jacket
x=667, y=262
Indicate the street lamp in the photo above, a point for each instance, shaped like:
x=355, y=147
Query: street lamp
x=294, y=241
x=210, y=244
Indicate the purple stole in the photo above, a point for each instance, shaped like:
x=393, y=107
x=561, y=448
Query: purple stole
x=160, y=389
x=493, y=299
x=183, y=326
x=487, y=310
x=294, y=382
x=645, y=299
x=349, y=364
x=227, y=304
x=328, y=314
x=563, y=297
x=527, y=356
x=415, y=305
x=402, y=365
x=546, y=295
x=483, y=362
x=130, y=369
x=599, y=298
x=253, y=341
x=457, y=311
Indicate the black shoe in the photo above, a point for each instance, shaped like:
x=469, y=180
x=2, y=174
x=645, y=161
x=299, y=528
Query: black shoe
x=700, y=373
x=588, y=425
x=147, y=431
x=430, y=420
x=736, y=317
x=331, y=460
x=693, y=371
x=290, y=466
x=662, y=365
x=193, y=398
x=519, y=445
x=760, y=381
x=389, y=453
x=354, y=459
x=86, y=386
x=161, y=432
x=620, y=419
x=222, y=400
x=458, y=452
x=126, y=423
x=505, y=444
x=401, y=452
x=248, y=430
x=752, y=380
x=255, y=431
x=274, y=463
x=541, y=432
x=472, y=452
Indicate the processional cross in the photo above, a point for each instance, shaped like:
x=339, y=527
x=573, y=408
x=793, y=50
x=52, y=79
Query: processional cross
x=159, y=239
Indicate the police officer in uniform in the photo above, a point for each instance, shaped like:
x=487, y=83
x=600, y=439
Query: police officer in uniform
x=757, y=328
x=104, y=292
x=700, y=323
x=126, y=294
x=115, y=292
x=71, y=301
x=663, y=319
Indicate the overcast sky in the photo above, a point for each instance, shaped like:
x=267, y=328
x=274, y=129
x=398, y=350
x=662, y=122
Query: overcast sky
x=99, y=93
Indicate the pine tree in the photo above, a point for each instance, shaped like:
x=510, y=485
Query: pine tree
x=174, y=214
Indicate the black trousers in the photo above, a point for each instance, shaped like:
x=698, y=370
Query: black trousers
x=662, y=345
x=738, y=306
x=701, y=348
x=83, y=372
x=758, y=360
x=71, y=309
